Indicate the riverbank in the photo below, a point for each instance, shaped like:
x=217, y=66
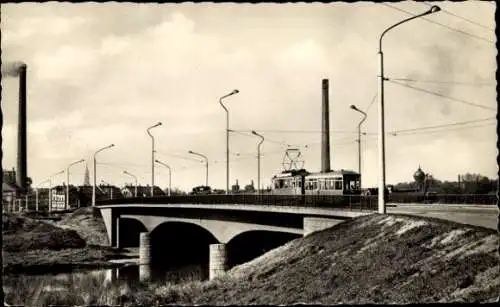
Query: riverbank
x=37, y=243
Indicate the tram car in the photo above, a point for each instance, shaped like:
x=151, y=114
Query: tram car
x=301, y=182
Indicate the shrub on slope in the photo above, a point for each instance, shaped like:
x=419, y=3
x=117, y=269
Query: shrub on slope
x=88, y=225
x=44, y=237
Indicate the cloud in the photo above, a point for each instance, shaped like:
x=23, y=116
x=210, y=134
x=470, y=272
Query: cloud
x=107, y=79
x=19, y=31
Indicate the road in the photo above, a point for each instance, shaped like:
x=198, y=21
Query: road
x=479, y=215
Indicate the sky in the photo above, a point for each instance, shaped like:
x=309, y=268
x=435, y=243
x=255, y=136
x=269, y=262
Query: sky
x=103, y=73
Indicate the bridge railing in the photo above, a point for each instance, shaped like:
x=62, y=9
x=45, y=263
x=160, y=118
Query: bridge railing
x=353, y=202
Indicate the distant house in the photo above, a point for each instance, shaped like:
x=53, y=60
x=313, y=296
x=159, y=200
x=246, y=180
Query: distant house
x=111, y=191
x=9, y=176
x=142, y=191
x=85, y=195
x=79, y=196
x=249, y=188
x=129, y=191
x=8, y=195
x=235, y=188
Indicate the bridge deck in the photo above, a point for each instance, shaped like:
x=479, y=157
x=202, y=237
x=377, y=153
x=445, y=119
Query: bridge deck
x=334, y=212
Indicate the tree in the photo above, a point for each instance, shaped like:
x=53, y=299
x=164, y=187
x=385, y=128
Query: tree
x=177, y=191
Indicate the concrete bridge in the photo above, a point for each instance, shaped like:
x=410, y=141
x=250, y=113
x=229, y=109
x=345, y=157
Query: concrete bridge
x=222, y=235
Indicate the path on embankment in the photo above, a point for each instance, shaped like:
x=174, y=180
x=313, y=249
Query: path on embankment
x=478, y=215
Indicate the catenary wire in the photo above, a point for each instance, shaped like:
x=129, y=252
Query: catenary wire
x=443, y=96
x=445, y=82
x=461, y=17
x=440, y=24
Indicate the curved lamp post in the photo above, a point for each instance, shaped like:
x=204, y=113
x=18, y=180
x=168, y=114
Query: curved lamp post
x=169, y=175
x=227, y=136
x=359, y=141
x=67, y=183
x=110, y=188
x=153, y=157
x=135, y=178
x=381, y=132
x=258, y=159
x=206, y=164
x=95, y=172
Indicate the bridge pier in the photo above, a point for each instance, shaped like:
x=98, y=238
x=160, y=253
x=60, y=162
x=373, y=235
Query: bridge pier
x=314, y=224
x=218, y=260
x=117, y=232
x=144, y=256
x=112, y=276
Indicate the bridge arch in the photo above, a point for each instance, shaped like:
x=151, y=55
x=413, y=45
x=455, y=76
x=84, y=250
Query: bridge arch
x=223, y=231
x=178, y=244
x=249, y=245
x=129, y=232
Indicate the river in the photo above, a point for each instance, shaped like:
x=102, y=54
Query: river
x=91, y=287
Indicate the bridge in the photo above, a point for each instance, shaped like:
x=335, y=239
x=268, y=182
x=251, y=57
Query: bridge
x=237, y=228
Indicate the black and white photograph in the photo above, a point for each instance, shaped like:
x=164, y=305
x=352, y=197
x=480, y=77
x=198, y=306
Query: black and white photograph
x=249, y=153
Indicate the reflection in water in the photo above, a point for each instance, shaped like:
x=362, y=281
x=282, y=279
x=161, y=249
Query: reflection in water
x=90, y=287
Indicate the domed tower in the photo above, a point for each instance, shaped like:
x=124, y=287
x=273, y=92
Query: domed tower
x=419, y=177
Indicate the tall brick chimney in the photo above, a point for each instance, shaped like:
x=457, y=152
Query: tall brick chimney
x=325, y=129
x=21, y=174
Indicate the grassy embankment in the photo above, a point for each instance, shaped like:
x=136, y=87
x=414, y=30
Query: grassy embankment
x=371, y=259
x=35, y=245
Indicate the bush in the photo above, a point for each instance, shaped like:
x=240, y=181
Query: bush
x=44, y=237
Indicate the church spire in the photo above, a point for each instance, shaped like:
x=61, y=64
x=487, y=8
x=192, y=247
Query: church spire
x=86, y=179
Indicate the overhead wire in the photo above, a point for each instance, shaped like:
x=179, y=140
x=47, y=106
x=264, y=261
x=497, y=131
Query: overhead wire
x=461, y=17
x=371, y=103
x=444, y=125
x=295, y=131
x=178, y=156
x=445, y=82
x=439, y=131
x=443, y=96
x=440, y=24
x=425, y=130
x=266, y=139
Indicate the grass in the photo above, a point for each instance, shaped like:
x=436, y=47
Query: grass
x=371, y=259
x=78, y=288
x=31, y=245
x=88, y=224
x=70, y=290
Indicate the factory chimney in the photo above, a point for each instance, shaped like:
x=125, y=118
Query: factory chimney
x=325, y=129
x=21, y=176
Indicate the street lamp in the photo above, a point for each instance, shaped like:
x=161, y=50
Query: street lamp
x=258, y=159
x=153, y=157
x=135, y=191
x=381, y=132
x=359, y=141
x=169, y=175
x=67, y=181
x=206, y=164
x=95, y=172
x=227, y=136
x=50, y=188
x=110, y=188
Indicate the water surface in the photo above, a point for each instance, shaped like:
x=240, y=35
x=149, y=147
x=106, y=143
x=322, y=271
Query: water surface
x=91, y=286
